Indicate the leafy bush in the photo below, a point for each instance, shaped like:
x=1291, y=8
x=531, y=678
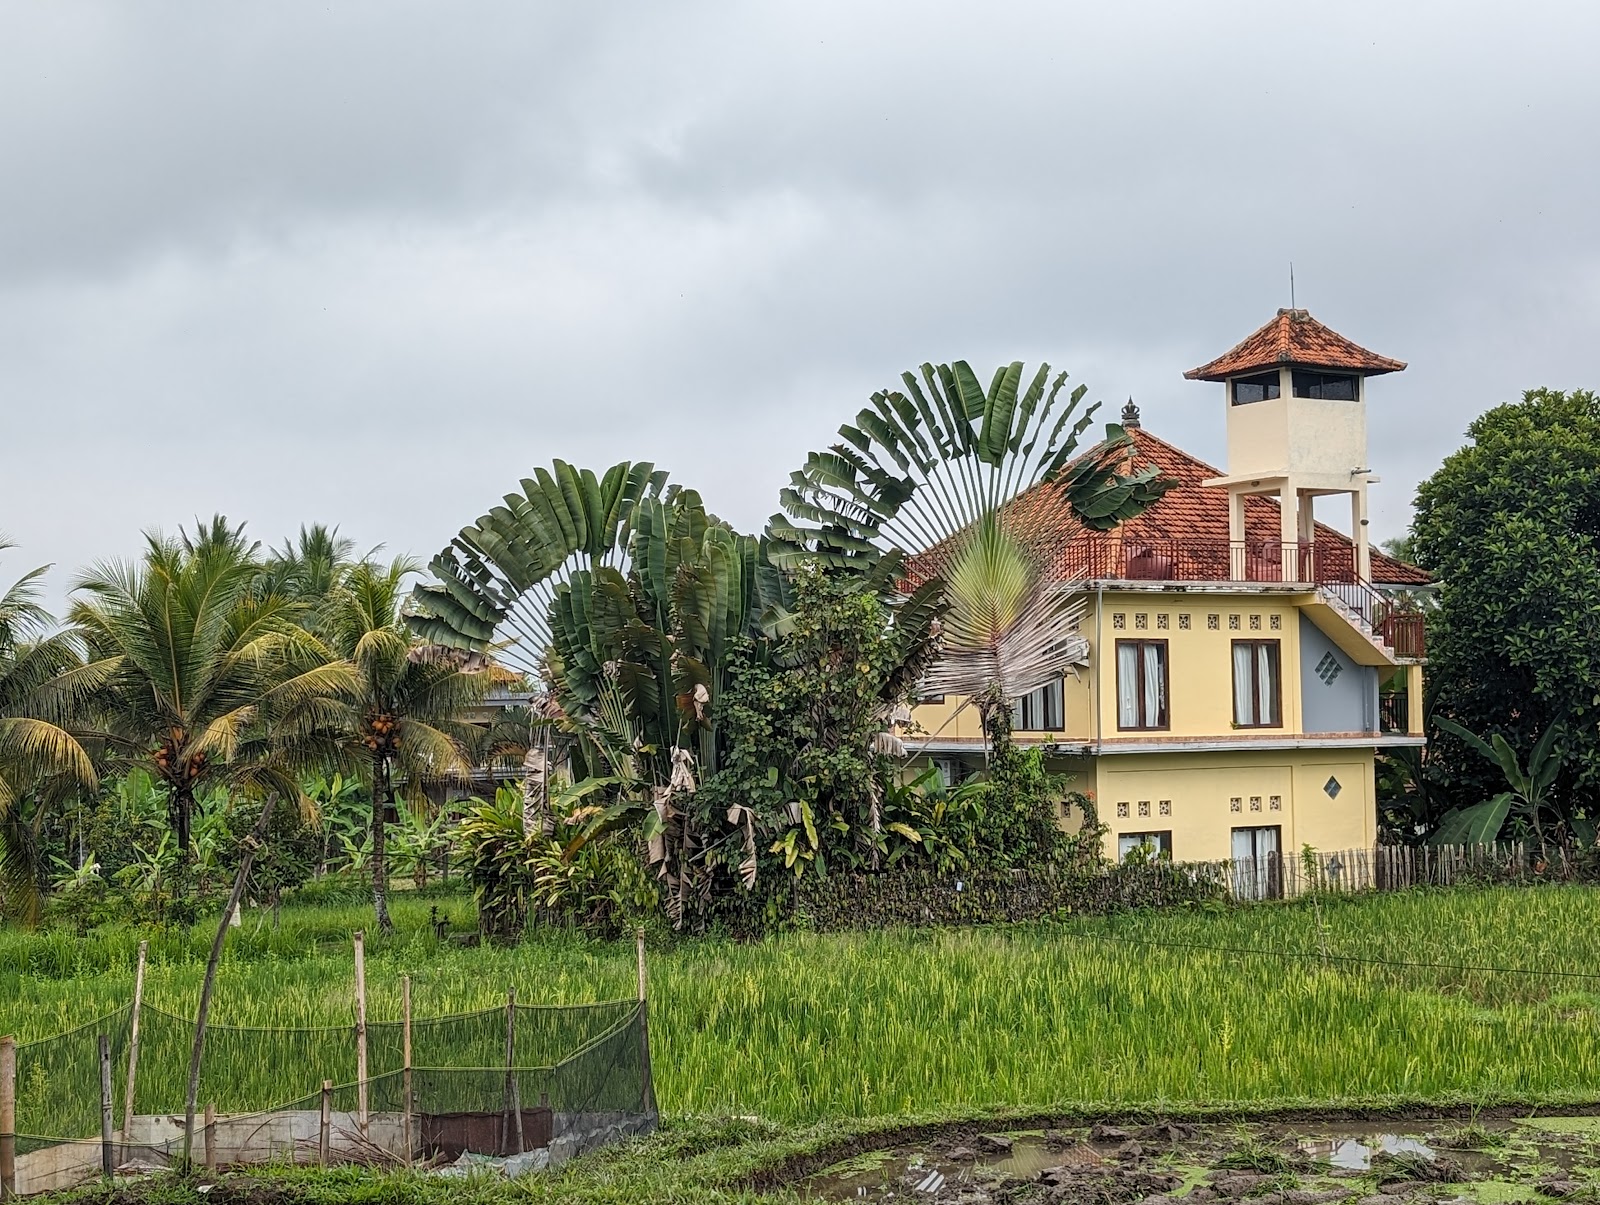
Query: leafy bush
x=598, y=883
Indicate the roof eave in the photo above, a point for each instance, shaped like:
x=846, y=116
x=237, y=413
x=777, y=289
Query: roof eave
x=1212, y=371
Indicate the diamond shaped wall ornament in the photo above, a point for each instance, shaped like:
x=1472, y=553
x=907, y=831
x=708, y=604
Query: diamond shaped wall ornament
x=1328, y=668
x=1331, y=788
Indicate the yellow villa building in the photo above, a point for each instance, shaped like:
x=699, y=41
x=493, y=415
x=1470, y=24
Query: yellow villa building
x=1245, y=661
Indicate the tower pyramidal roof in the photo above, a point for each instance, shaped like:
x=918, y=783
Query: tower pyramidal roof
x=1295, y=338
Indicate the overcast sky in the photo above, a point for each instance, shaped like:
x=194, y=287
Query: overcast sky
x=370, y=263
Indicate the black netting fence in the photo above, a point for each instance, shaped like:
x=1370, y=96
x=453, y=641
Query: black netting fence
x=504, y=1080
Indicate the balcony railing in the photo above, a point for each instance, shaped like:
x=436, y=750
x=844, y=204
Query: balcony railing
x=1207, y=560
x=1394, y=712
x=1401, y=630
x=1330, y=565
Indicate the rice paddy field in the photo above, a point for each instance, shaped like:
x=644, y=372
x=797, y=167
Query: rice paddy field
x=1459, y=996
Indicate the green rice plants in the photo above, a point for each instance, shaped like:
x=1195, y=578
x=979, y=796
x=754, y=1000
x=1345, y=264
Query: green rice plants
x=1250, y=1154
x=1180, y=1008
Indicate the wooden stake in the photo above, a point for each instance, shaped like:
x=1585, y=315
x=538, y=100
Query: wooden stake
x=108, y=1159
x=325, y=1127
x=210, y=1136
x=133, y=1044
x=405, y=1056
x=361, y=1031
x=646, y=1087
x=8, y=1117
x=513, y=1089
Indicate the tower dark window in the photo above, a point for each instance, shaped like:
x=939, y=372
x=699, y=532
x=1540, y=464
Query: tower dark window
x=1328, y=387
x=1259, y=388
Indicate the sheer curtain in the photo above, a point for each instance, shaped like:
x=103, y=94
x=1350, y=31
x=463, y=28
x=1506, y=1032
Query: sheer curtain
x=1244, y=710
x=1127, y=685
x=1154, y=685
x=1266, y=680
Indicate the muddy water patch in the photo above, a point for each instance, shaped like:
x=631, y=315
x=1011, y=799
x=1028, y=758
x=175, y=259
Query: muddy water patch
x=1397, y=1163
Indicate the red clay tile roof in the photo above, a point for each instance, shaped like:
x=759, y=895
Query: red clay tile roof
x=1187, y=530
x=1295, y=337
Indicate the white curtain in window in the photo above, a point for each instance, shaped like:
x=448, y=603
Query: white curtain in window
x=1128, y=685
x=1154, y=685
x=1264, y=686
x=1244, y=711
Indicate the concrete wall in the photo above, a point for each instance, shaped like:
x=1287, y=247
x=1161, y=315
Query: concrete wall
x=1199, y=656
x=293, y=1136
x=249, y=1138
x=1285, y=788
x=1347, y=704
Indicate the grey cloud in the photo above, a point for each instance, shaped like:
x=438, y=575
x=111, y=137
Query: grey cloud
x=370, y=263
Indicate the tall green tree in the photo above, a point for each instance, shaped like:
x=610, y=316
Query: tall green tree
x=203, y=681
x=405, y=712
x=1510, y=525
x=41, y=678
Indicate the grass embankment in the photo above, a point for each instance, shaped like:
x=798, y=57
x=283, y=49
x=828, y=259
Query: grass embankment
x=806, y=1027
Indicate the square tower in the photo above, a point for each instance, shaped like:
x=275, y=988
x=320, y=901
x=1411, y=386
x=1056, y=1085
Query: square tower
x=1296, y=401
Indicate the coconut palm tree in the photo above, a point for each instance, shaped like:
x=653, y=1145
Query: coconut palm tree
x=404, y=715
x=41, y=677
x=308, y=569
x=204, y=681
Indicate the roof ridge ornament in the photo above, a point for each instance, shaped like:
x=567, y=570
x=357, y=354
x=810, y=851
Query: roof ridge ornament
x=1130, y=414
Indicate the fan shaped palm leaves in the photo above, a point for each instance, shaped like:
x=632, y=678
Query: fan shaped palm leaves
x=41, y=681
x=403, y=715
x=939, y=472
x=1006, y=631
x=917, y=469
x=496, y=582
x=201, y=680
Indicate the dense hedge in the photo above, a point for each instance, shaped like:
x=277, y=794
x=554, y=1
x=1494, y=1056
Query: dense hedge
x=922, y=898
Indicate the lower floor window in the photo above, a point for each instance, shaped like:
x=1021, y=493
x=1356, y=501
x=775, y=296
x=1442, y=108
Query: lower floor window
x=1146, y=846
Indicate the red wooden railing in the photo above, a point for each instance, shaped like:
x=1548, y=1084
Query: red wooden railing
x=1205, y=560
x=1329, y=565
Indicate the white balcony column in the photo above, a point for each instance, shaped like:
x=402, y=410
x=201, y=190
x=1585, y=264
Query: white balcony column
x=1358, y=532
x=1308, y=535
x=1289, y=530
x=1237, y=557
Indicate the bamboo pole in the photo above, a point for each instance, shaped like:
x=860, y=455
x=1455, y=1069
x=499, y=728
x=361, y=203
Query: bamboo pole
x=325, y=1124
x=646, y=1087
x=513, y=1089
x=405, y=1054
x=133, y=1044
x=108, y=1159
x=211, y=1135
x=209, y=980
x=8, y=1117
x=361, y=1031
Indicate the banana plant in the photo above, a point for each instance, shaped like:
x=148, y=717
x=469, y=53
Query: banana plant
x=1529, y=794
x=420, y=838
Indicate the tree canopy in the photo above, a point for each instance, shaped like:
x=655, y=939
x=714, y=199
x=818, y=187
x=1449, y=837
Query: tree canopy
x=1508, y=524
